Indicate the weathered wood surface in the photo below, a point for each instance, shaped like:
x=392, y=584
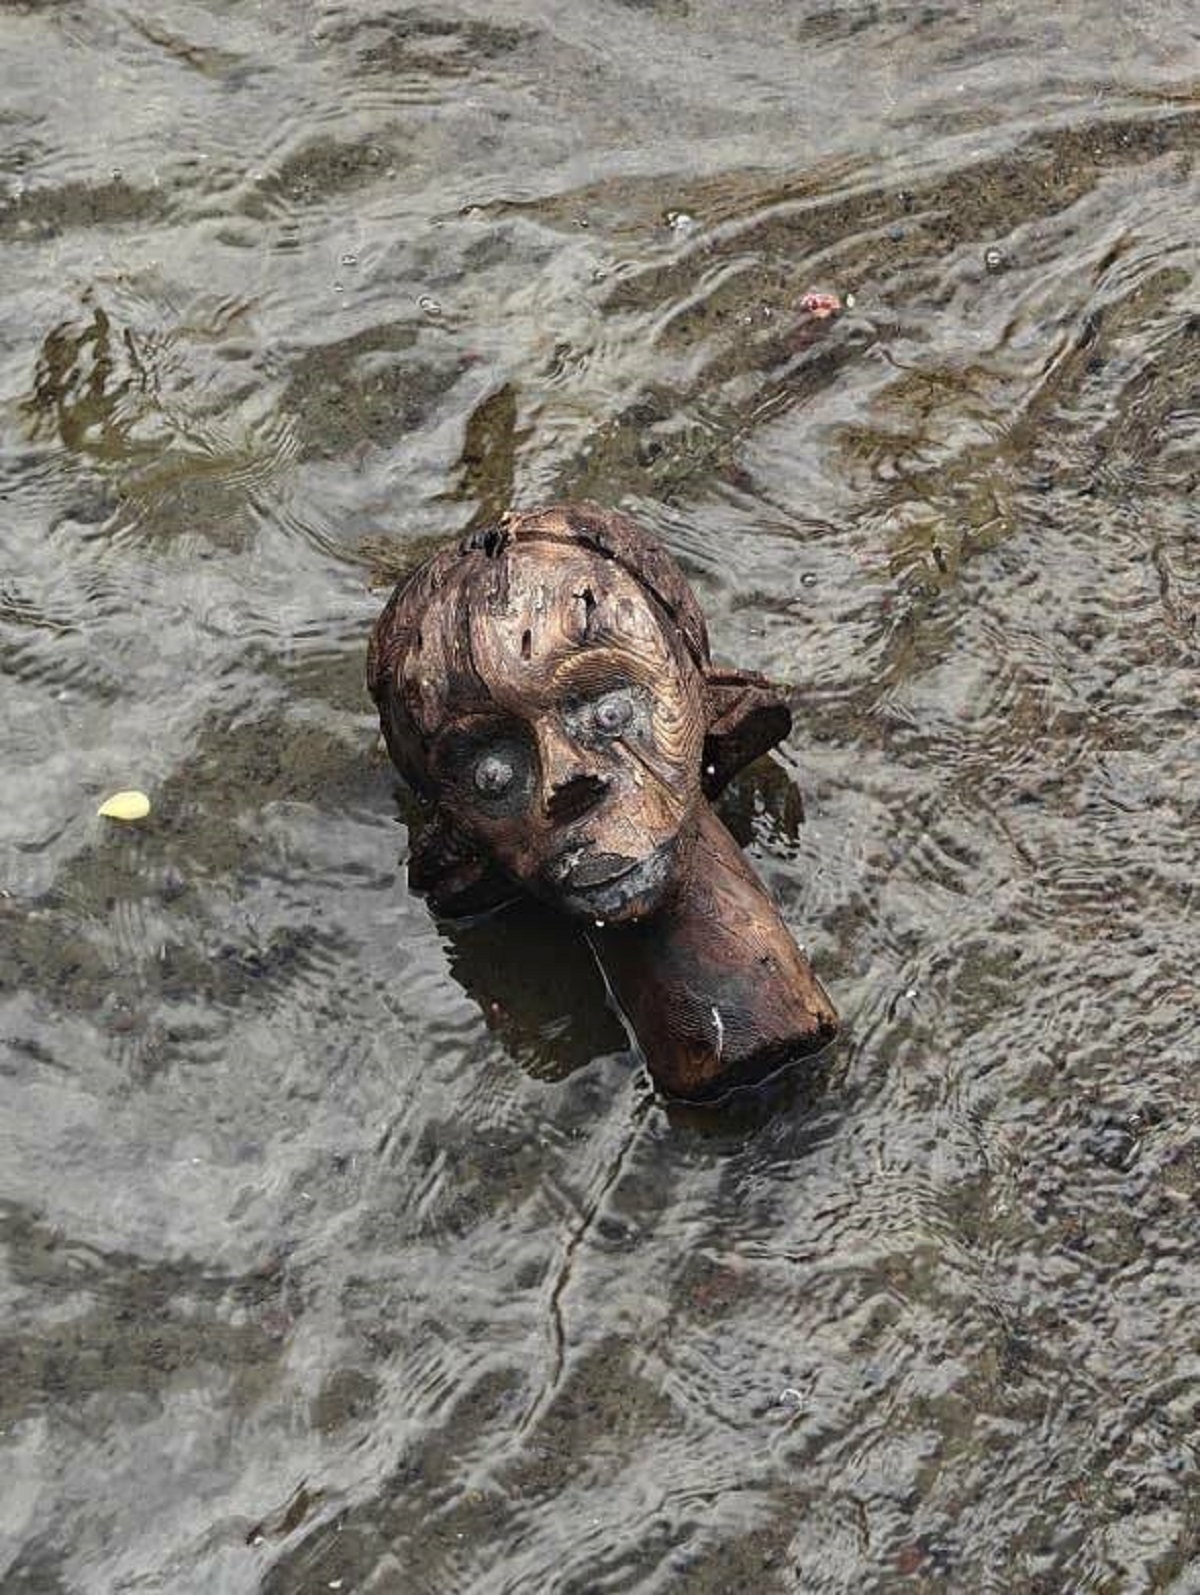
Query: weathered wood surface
x=714, y=987
x=546, y=687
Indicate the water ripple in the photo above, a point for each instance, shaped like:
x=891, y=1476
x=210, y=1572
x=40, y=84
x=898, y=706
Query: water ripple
x=370, y=1257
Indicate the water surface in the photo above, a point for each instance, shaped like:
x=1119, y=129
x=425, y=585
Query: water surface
x=341, y=1251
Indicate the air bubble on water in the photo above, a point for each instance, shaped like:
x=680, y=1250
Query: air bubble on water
x=680, y=222
x=429, y=305
x=599, y=924
x=993, y=259
x=349, y=260
x=337, y=288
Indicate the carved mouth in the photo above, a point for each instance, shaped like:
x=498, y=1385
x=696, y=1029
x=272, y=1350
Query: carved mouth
x=610, y=886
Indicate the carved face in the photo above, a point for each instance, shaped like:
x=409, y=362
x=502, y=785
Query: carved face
x=547, y=686
x=566, y=736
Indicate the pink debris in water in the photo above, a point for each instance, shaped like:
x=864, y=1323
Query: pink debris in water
x=821, y=305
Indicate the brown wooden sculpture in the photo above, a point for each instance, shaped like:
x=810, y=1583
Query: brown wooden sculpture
x=545, y=686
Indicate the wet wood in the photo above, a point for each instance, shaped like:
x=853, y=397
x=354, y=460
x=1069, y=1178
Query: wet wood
x=714, y=987
x=546, y=687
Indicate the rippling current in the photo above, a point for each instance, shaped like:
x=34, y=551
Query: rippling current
x=344, y=1250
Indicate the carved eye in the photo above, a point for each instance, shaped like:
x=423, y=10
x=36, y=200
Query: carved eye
x=493, y=775
x=612, y=714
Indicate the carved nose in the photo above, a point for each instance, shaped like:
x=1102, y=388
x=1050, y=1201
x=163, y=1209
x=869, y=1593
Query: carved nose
x=572, y=799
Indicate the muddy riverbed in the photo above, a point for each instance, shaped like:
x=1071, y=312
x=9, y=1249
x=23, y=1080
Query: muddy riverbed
x=344, y=1250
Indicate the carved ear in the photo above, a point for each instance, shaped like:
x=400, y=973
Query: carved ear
x=445, y=868
x=747, y=716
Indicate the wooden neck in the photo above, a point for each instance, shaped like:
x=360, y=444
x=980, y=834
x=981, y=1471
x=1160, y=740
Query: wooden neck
x=713, y=986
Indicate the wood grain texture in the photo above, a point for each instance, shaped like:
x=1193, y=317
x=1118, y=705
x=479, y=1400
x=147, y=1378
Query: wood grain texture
x=715, y=988
x=545, y=685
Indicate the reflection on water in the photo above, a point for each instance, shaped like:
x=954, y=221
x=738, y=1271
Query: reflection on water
x=344, y=1250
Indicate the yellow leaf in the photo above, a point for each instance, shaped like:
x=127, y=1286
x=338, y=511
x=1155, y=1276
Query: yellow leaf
x=125, y=806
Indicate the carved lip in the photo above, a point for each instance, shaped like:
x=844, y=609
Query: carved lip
x=608, y=885
x=596, y=869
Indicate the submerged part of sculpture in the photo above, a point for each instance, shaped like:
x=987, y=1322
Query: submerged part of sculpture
x=545, y=687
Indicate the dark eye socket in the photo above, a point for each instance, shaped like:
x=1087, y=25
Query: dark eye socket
x=485, y=767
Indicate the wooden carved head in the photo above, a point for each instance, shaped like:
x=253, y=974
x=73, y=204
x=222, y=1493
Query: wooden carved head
x=545, y=685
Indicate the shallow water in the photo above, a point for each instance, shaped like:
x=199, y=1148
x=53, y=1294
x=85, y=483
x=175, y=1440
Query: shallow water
x=340, y=1252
